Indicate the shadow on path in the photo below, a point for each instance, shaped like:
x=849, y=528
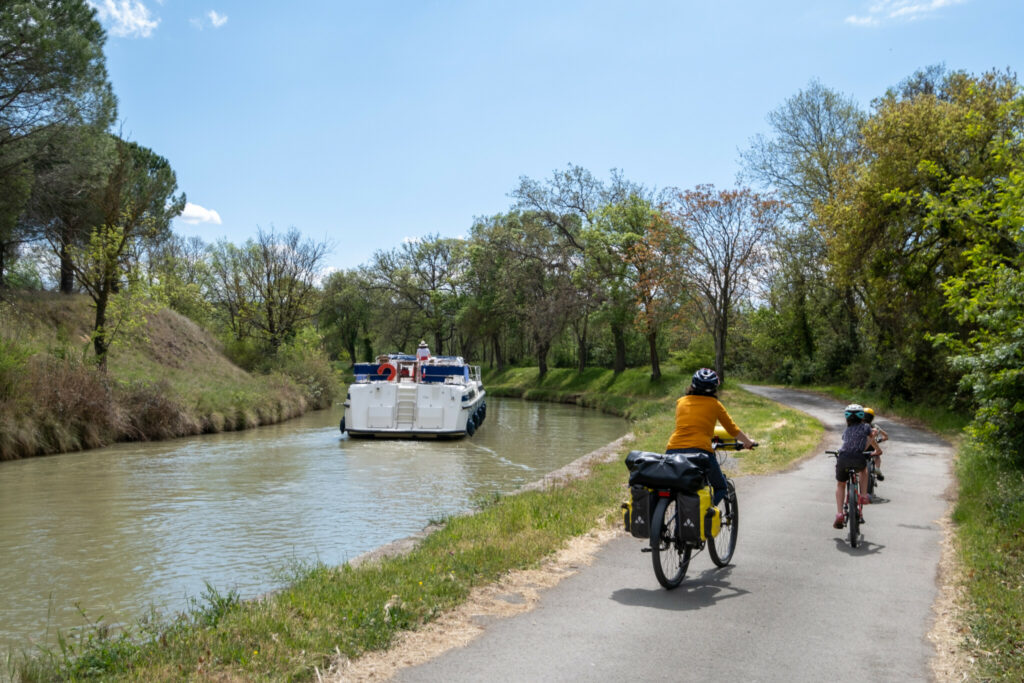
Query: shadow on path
x=863, y=548
x=704, y=590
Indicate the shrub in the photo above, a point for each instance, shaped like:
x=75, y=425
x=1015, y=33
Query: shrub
x=152, y=413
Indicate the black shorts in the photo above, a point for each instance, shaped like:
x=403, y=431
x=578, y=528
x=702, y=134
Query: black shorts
x=845, y=462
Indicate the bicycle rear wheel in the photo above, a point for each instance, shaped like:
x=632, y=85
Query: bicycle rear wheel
x=852, y=491
x=722, y=546
x=670, y=557
x=871, y=477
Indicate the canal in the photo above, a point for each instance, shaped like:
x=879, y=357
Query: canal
x=111, y=532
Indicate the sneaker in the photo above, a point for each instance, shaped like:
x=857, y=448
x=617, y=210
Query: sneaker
x=881, y=477
x=864, y=500
x=840, y=520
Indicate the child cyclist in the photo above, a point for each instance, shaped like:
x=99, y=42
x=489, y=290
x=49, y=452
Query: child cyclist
x=880, y=436
x=856, y=439
x=696, y=415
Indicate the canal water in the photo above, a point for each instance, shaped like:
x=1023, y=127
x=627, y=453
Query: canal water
x=114, y=531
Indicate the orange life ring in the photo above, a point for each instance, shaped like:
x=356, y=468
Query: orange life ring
x=389, y=369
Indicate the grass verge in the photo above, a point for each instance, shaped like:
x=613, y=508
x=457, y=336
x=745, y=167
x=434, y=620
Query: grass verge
x=989, y=515
x=329, y=611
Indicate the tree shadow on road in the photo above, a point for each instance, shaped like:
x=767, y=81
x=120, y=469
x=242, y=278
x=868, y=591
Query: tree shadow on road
x=695, y=592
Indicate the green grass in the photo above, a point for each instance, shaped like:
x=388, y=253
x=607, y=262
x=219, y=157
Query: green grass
x=990, y=543
x=353, y=610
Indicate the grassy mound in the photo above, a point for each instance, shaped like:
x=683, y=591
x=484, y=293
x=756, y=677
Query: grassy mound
x=168, y=379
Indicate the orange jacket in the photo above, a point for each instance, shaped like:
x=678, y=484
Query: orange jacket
x=695, y=422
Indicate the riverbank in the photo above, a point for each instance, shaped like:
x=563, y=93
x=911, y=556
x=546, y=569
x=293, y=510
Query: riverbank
x=167, y=379
x=329, y=613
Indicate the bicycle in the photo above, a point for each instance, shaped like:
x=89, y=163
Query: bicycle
x=852, y=509
x=872, y=473
x=670, y=548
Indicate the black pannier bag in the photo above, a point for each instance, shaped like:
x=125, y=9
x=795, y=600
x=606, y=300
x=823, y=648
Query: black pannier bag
x=661, y=471
x=637, y=513
x=688, y=506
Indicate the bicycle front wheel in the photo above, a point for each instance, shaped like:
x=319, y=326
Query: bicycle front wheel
x=670, y=557
x=852, y=491
x=722, y=546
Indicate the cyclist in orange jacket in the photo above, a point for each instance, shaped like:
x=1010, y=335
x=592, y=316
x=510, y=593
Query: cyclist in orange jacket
x=696, y=415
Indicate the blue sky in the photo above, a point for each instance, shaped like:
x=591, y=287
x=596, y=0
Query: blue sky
x=368, y=123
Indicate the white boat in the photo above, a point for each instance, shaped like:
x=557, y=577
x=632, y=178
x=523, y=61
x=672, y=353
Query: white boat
x=400, y=396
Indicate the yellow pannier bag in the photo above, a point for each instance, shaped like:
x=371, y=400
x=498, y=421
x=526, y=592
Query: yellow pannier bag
x=710, y=514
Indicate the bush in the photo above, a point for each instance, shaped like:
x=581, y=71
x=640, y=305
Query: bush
x=153, y=414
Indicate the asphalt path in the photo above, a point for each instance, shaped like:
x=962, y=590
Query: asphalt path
x=797, y=604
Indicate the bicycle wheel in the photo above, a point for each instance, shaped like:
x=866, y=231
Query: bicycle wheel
x=852, y=491
x=670, y=557
x=722, y=547
x=871, y=477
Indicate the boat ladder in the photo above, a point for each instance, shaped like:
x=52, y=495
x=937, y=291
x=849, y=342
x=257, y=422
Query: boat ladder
x=406, y=408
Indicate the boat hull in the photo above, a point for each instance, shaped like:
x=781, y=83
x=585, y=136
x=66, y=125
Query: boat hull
x=413, y=410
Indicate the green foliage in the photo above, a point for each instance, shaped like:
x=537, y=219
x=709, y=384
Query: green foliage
x=990, y=514
x=304, y=361
x=988, y=293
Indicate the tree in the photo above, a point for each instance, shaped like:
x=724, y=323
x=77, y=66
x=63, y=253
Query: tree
x=231, y=292
x=137, y=203
x=921, y=138
x=632, y=251
x=52, y=78
x=346, y=310
x=53, y=71
x=728, y=231
x=988, y=294
x=815, y=138
x=421, y=280
x=71, y=166
x=281, y=272
x=179, y=272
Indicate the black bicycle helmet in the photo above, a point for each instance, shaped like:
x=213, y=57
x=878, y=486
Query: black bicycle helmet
x=705, y=381
x=854, y=410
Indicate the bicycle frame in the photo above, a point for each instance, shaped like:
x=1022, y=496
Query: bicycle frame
x=852, y=510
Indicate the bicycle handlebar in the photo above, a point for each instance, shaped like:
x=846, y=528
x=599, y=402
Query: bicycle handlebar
x=736, y=446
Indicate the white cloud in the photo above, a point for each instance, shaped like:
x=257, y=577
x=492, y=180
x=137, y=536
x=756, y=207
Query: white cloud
x=217, y=20
x=882, y=11
x=194, y=214
x=127, y=18
x=211, y=18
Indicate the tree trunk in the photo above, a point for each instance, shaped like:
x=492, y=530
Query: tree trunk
x=581, y=346
x=652, y=343
x=67, y=274
x=620, y=349
x=499, y=359
x=542, y=357
x=99, y=340
x=721, y=329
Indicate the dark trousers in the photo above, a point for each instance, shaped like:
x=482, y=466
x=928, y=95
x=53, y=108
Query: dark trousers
x=709, y=463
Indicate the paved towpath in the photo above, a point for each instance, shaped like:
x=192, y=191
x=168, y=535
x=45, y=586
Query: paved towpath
x=798, y=604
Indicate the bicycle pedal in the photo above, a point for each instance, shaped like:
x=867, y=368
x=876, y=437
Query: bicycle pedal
x=646, y=549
